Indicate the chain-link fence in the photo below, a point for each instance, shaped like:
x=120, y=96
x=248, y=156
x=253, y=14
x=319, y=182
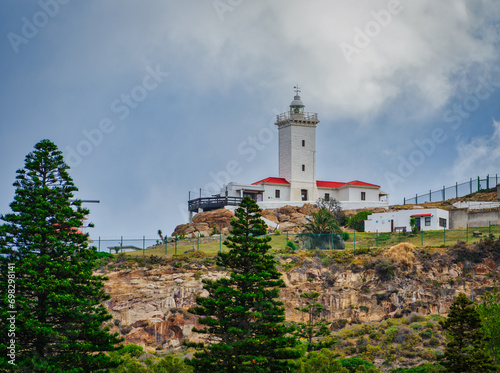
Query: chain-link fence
x=455, y=191
x=299, y=241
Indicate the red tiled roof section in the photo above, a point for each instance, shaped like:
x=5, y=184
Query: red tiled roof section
x=362, y=183
x=272, y=180
x=329, y=184
x=336, y=184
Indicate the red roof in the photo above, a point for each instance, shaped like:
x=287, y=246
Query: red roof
x=336, y=184
x=419, y=215
x=362, y=183
x=272, y=180
x=329, y=184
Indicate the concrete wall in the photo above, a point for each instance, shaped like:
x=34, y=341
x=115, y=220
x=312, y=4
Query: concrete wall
x=462, y=218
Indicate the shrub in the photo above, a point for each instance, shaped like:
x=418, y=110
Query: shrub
x=345, y=236
x=385, y=269
x=434, y=342
x=402, y=253
x=352, y=364
x=357, y=222
x=291, y=245
x=126, y=329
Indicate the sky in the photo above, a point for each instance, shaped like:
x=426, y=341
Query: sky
x=150, y=100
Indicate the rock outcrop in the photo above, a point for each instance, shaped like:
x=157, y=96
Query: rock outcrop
x=150, y=303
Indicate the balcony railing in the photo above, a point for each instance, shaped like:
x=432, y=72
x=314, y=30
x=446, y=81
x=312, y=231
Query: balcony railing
x=212, y=203
x=305, y=116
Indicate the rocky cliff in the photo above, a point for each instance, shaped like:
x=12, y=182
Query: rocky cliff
x=150, y=296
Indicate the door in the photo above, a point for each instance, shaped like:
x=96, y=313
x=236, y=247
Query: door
x=303, y=193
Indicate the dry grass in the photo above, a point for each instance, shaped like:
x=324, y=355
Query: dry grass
x=402, y=253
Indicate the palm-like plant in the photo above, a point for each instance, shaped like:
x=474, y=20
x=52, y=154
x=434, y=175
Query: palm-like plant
x=322, y=222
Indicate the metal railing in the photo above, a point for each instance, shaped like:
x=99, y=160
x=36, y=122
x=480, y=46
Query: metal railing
x=212, y=203
x=455, y=191
x=305, y=116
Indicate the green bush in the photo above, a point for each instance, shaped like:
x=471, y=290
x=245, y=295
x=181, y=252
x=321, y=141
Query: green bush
x=345, y=236
x=291, y=245
x=357, y=221
x=385, y=269
x=352, y=364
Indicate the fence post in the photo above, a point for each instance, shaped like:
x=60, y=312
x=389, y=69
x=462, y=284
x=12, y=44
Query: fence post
x=471, y=185
x=467, y=232
x=220, y=242
x=165, y=246
x=399, y=235
x=444, y=193
x=309, y=241
x=489, y=228
x=416, y=198
x=354, y=239
x=376, y=239
x=430, y=195
x=422, y=238
x=198, y=245
x=404, y=200
x=99, y=249
x=175, y=252
x=478, y=184
x=456, y=189
x=121, y=244
x=444, y=235
x=488, y=182
x=143, y=245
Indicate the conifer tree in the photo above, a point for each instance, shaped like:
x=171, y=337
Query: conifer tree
x=465, y=351
x=57, y=300
x=242, y=316
x=312, y=329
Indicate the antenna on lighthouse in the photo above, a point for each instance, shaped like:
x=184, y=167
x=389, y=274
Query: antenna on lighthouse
x=297, y=89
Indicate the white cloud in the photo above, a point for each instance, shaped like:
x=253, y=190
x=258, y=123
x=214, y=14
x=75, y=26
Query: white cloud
x=479, y=156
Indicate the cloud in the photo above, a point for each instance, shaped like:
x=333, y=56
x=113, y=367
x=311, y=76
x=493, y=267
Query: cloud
x=480, y=156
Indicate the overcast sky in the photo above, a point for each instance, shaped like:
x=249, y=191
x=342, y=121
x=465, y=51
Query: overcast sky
x=149, y=100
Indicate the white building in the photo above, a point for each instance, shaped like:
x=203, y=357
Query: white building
x=426, y=220
x=297, y=183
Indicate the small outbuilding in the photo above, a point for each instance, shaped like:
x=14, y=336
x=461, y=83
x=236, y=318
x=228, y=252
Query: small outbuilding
x=426, y=220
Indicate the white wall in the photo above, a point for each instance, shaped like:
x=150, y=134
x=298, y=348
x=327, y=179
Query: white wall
x=285, y=152
x=270, y=189
x=381, y=222
x=303, y=155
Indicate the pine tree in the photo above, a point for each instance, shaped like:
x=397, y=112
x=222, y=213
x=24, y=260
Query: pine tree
x=465, y=351
x=312, y=329
x=242, y=315
x=57, y=300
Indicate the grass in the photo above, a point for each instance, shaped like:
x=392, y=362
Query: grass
x=427, y=239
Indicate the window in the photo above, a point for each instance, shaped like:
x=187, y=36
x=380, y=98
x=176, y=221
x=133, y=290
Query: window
x=442, y=222
x=303, y=143
x=303, y=167
x=427, y=221
x=327, y=197
x=277, y=193
x=363, y=196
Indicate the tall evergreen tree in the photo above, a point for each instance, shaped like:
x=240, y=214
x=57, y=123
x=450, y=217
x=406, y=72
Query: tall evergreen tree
x=242, y=315
x=57, y=300
x=465, y=351
x=312, y=329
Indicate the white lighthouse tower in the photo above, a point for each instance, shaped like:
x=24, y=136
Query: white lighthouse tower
x=297, y=150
